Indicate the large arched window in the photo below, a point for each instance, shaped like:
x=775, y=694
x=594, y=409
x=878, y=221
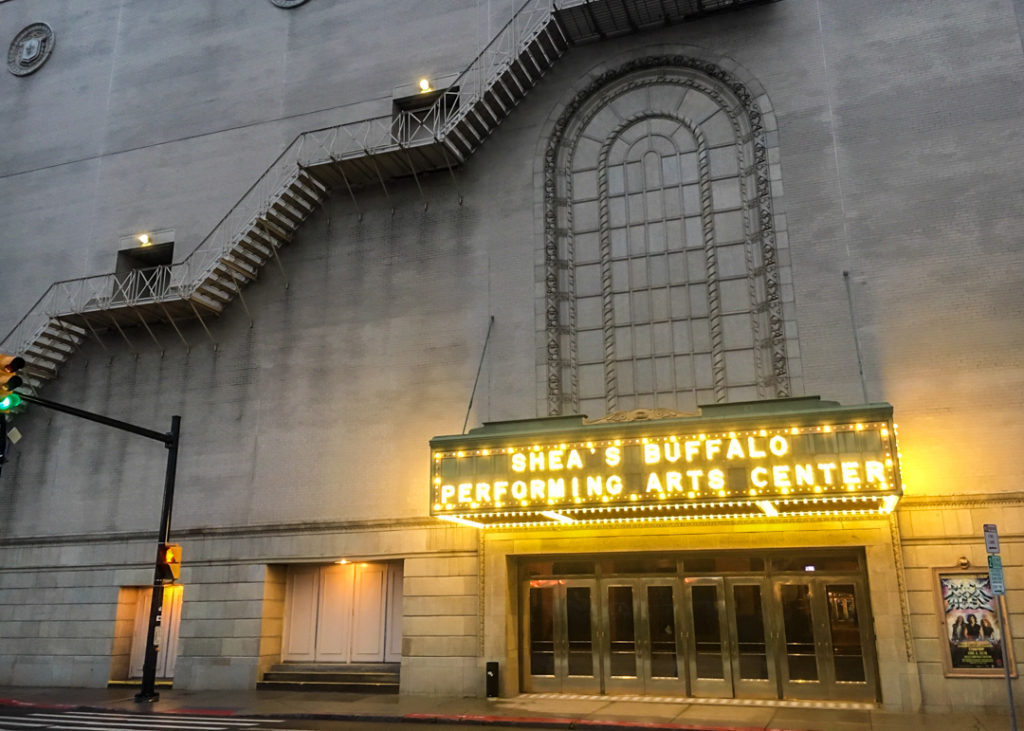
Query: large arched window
x=662, y=275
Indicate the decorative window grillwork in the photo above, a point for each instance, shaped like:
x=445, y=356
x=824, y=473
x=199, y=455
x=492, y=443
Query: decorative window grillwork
x=662, y=281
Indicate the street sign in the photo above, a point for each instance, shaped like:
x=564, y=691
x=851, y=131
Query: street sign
x=991, y=538
x=995, y=575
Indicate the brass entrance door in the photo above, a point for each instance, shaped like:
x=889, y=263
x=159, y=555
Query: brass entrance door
x=729, y=647
x=560, y=636
x=752, y=651
x=754, y=633
x=708, y=656
x=639, y=636
x=827, y=644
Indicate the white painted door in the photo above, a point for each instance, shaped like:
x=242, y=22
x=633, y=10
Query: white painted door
x=334, y=618
x=301, y=595
x=368, y=612
x=167, y=640
x=343, y=613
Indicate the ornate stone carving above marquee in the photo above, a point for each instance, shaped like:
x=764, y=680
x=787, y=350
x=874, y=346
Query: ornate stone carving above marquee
x=30, y=49
x=639, y=415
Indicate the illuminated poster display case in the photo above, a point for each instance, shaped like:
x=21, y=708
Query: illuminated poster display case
x=969, y=622
x=756, y=460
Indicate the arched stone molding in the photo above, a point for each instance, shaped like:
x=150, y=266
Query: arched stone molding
x=677, y=98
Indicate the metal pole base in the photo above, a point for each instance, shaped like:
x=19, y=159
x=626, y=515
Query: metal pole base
x=147, y=697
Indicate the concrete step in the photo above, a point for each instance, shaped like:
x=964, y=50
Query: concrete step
x=338, y=667
x=336, y=677
x=329, y=687
x=333, y=677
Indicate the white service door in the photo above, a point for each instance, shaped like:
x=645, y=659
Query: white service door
x=334, y=622
x=167, y=640
x=341, y=613
x=301, y=595
x=368, y=613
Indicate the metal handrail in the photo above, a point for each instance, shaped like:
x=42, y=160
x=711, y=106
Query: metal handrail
x=365, y=137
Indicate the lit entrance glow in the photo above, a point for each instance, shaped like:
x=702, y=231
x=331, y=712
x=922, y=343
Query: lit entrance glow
x=722, y=625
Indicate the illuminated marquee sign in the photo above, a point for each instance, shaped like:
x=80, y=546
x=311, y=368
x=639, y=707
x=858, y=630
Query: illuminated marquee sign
x=836, y=461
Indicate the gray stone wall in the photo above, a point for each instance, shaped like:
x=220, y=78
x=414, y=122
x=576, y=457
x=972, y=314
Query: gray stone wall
x=148, y=118
x=900, y=151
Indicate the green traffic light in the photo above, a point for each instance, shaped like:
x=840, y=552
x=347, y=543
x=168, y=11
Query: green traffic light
x=10, y=401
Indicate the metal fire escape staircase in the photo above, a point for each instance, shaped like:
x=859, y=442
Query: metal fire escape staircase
x=441, y=134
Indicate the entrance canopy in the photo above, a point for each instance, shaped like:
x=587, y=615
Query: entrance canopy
x=756, y=460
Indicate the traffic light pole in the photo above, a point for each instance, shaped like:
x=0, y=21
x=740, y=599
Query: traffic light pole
x=147, y=694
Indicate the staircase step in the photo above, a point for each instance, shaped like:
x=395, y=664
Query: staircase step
x=64, y=333
x=200, y=298
x=232, y=269
x=211, y=290
x=382, y=688
x=337, y=667
x=274, y=227
x=297, y=190
x=287, y=215
x=332, y=677
x=255, y=245
x=246, y=256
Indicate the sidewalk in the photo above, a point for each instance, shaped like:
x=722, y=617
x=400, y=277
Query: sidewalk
x=575, y=712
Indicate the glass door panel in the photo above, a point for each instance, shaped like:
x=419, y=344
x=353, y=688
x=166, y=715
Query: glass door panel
x=576, y=646
x=621, y=632
x=849, y=642
x=621, y=615
x=579, y=631
x=662, y=662
x=710, y=662
x=753, y=661
x=800, y=672
x=541, y=634
x=662, y=635
x=844, y=632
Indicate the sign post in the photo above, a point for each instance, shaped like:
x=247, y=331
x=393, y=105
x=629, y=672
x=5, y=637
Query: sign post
x=995, y=580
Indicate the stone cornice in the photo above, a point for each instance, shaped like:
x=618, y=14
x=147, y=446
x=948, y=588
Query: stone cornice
x=976, y=500
x=241, y=531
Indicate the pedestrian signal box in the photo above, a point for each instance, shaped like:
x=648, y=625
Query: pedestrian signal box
x=169, y=561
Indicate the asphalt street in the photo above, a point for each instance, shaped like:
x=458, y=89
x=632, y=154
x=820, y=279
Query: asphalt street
x=12, y=719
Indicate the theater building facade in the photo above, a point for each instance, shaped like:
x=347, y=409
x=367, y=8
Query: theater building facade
x=666, y=350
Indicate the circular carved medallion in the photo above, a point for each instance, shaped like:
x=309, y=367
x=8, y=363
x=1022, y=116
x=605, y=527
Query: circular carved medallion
x=30, y=49
x=287, y=3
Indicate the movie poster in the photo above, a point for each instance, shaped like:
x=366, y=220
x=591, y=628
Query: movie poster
x=971, y=623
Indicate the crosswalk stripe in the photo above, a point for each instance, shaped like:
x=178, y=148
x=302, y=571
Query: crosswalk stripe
x=9, y=723
x=93, y=721
x=196, y=721
x=101, y=721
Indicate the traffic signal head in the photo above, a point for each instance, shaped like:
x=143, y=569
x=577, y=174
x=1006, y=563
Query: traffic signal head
x=168, y=561
x=10, y=380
